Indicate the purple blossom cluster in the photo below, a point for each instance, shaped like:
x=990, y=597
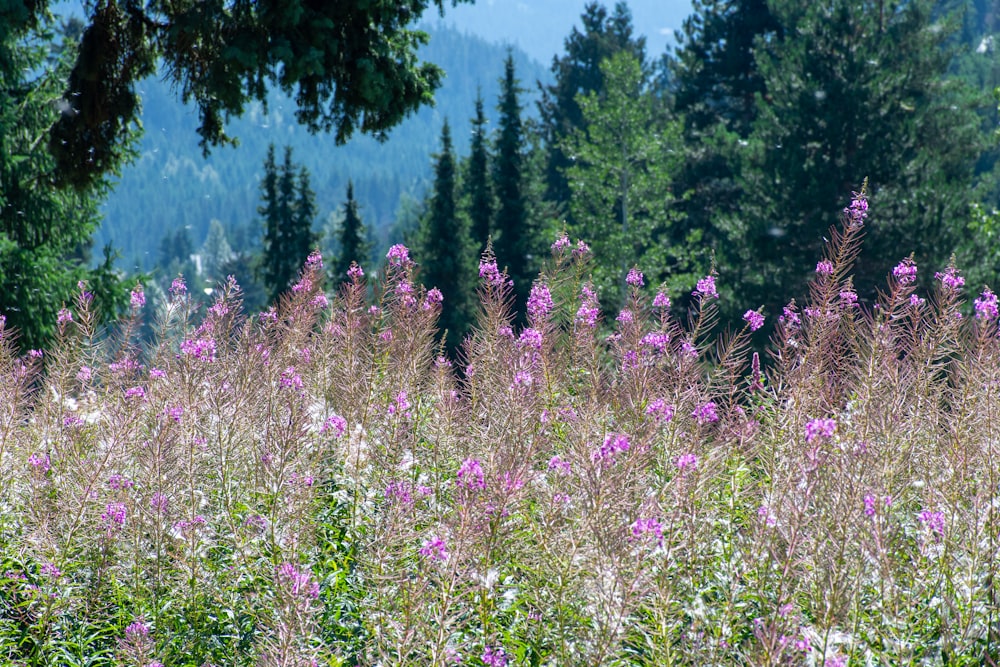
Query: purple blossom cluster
x=823, y=427
x=470, y=475
x=986, y=305
x=635, y=278
x=905, y=272
x=706, y=413
x=434, y=548
x=614, y=444
x=296, y=581
x=754, y=319
x=706, y=288
x=950, y=279
x=539, y=303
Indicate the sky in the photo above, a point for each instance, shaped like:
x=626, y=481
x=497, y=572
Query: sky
x=540, y=26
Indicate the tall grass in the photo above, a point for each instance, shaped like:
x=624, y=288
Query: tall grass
x=317, y=485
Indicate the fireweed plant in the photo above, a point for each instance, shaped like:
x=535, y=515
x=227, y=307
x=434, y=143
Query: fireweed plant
x=317, y=485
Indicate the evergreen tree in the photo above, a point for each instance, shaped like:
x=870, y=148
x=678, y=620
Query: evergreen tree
x=477, y=185
x=578, y=72
x=621, y=182
x=45, y=234
x=288, y=210
x=445, y=250
x=513, y=233
x=354, y=246
x=855, y=90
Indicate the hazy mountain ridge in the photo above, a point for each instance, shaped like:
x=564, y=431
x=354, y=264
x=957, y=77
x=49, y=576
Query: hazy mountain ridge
x=170, y=185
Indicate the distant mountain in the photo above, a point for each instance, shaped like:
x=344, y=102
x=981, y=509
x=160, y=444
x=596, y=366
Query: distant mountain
x=170, y=185
x=540, y=26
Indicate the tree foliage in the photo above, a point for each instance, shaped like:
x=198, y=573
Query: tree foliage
x=288, y=210
x=44, y=233
x=445, y=252
x=477, y=185
x=512, y=226
x=353, y=237
x=350, y=66
x=578, y=72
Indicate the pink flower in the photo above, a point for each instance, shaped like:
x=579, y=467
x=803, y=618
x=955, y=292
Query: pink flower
x=824, y=267
x=950, y=278
x=823, y=427
x=434, y=548
x=754, y=319
x=137, y=298
x=905, y=272
x=355, y=272
x=398, y=255
x=706, y=413
x=635, y=278
x=561, y=243
x=706, y=288
x=986, y=305
x=661, y=300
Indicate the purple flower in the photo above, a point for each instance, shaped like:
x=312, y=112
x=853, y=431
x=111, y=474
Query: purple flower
x=561, y=243
x=646, y=526
x=335, y=422
x=635, y=278
x=789, y=317
x=934, y=521
x=905, y=272
x=754, y=319
x=916, y=301
x=290, y=379
x=137, y=298
x=84, y=374
x=824, y=267
x=434, y=548
x=530, y=338
x=137, y=393
x=660, y=411
x=36, y=354
x=470, y=475
x=822, y=427
x=688, y=349
x=355, y=272
x=686, y=462
x=706, y=288
x=614, y=444
x=114, y=515
x=178, y=287
x=320, y=301
x=539, y=302
x=119, y=482
x=589, y=310
x=434, y=297
x=557, y=464
x=869, y=504
x=40, y=462
x=950, y=278
x=297, y=582
x=656, y=340
x=582, y=249
x=159, y=502
x=706, y=413
x=661, y=300
x=51, y=571
x=398, y=255
x=202, y=349
x=494, y=657
x=489, y=272
x=848, y=298
x=625, y=317
x=857, y=211
x=63, y=316
x=986, y=305
x=136, y=631
x=314, y=260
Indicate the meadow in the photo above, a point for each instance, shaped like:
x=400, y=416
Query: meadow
x=318, y=484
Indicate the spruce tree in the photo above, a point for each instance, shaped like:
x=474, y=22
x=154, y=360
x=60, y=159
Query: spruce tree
x=445, y=250
x=477, y=185
x=288, y=210
x=511, y=226
x=855, y=90
x=354, y=245
x=578, y=72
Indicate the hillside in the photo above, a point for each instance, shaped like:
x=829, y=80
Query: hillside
x=171, y=185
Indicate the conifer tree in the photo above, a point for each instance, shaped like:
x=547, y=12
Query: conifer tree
x=288, y=210
x=513, y=234
x=445, y=250
x=353, y=238
x=477, y=185
x=578, y=72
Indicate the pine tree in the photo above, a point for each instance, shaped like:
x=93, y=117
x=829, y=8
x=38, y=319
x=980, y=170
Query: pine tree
x=513, y=234
x=856, y=90
x=477, y=186
x=288, y=210
x=445, y=250
x=578, y=72
x=354, y=246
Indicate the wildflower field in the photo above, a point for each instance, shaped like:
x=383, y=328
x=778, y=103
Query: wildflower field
x=318, y=485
